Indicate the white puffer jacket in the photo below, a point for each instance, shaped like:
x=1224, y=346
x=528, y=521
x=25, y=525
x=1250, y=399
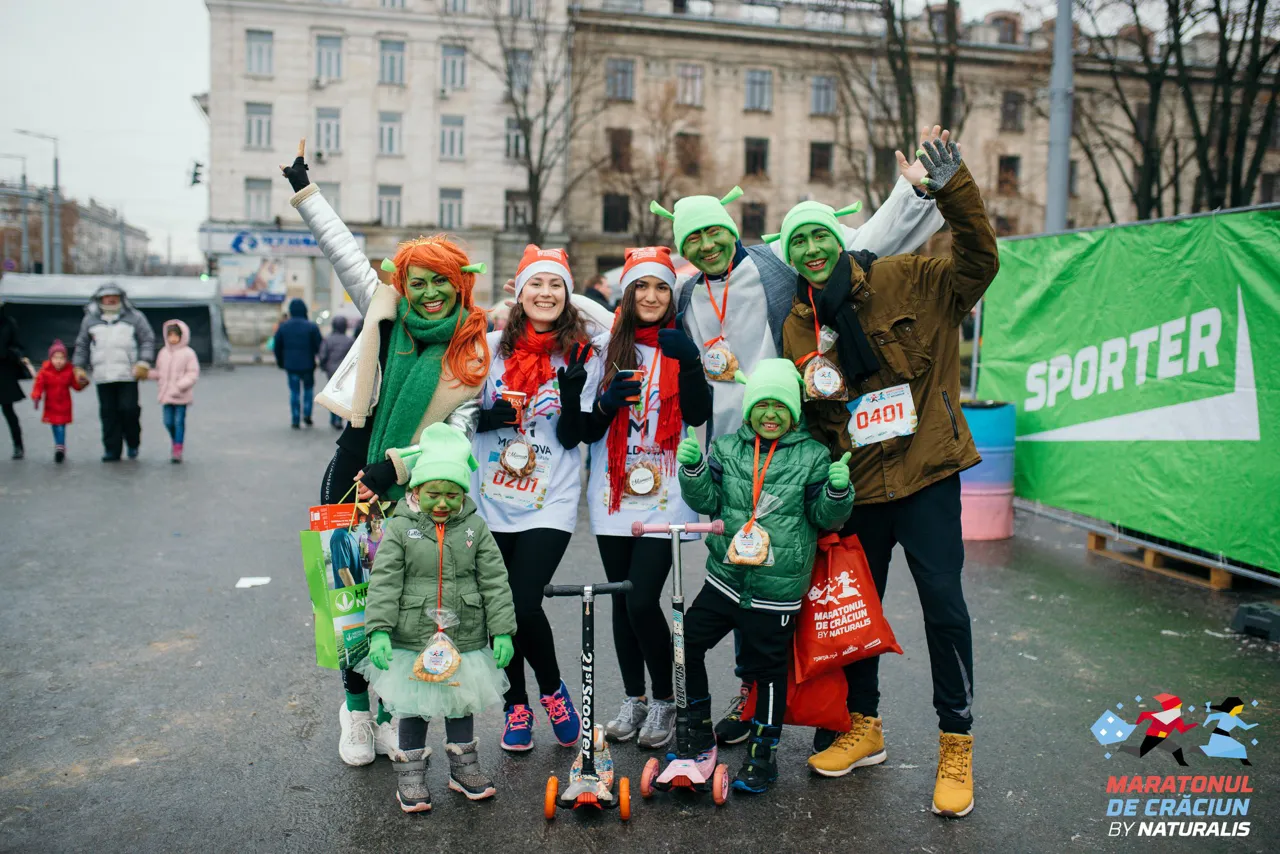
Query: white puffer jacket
x=110, y=346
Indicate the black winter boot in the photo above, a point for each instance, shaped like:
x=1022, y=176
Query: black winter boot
x=694, y=729
x=761, y=766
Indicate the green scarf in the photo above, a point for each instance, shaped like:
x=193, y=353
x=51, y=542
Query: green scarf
x=409, y=379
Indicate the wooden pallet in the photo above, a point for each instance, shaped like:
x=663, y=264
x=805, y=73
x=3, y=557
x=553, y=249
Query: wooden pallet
x=1152, y=559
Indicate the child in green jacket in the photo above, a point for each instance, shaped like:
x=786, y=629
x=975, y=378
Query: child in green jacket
x=776, y=488
x=438, y=568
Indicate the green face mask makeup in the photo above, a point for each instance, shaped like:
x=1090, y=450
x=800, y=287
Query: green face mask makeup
x=440, y=499
x=814, y=251
x=431, y=294
x=770, y=419
x=710, y=250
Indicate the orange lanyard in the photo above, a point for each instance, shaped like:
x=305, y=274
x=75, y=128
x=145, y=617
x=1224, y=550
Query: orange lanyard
x=721, y=310
x=440, y=571
x=817, y=332
x=757, y=481
x=648, y=395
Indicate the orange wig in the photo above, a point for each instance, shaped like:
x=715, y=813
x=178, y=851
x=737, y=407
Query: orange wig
x=467, y=358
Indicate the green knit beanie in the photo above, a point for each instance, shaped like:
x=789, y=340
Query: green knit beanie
x=445, y=455
x=811, y=213
x=775, y=379
x=694, y=213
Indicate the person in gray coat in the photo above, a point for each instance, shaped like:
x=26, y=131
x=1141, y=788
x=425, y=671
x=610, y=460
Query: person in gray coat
x=116, y=346
x=332, y=351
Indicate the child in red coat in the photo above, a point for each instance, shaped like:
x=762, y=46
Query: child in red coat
x=54, y=383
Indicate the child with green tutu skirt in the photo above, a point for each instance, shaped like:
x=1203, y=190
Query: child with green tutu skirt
x=437, y=593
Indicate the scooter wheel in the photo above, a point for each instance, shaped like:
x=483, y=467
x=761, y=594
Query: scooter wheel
x=549, y=799
x=624, y=798
x=647, y=776
x=720, y=785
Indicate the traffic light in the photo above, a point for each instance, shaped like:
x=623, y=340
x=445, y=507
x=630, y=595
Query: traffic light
x=195, y=173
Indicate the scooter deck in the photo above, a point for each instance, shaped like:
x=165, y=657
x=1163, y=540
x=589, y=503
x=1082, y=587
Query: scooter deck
x=688, y=773
x=604, y=768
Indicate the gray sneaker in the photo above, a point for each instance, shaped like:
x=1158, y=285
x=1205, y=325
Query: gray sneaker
x=659, y=725
x=627, y=723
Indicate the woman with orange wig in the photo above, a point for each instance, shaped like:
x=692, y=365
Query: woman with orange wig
x=421, y=357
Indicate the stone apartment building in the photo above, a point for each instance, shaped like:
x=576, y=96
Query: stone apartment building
x=96, y=239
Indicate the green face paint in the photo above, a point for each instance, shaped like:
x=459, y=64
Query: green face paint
x=710, y=250
x=440, y=499
x=770, y=419
x=814, y=251
x=431, y=294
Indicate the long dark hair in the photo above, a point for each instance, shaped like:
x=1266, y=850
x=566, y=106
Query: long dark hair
x=622, y=354
x=569, y=328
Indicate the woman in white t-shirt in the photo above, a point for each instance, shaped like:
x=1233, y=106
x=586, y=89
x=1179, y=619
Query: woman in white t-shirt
x=527, y=485
x=654, y=386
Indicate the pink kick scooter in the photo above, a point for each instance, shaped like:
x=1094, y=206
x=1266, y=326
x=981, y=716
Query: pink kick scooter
x=701, y=773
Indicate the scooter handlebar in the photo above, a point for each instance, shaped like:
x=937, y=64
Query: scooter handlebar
x=612, y=587
x=639, y=529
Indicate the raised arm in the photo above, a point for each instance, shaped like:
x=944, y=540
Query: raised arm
x=331, y=233
x=899, y=226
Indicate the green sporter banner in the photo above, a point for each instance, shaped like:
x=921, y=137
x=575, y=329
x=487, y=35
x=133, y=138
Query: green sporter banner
x=1144, y=361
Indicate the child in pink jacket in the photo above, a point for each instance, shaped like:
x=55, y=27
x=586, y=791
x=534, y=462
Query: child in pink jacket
x=177, y=370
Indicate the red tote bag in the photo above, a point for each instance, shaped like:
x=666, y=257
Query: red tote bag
x=820, y=702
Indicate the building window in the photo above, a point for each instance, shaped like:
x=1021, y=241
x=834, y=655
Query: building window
x=522, y=9
x=328, y=130
x=1007, y=175
x=328, y=57
x=453, y=66
x=456, y=6
x=259, y=52
x=1006, y=30
x=257, y=125
x=1269, y=191
x=393, y=4
x=515, y=140
x=620, y=79
x=886, y=164
x=822, y=96
x=1073, y=179
x=332, y=192
x=1006, y=225
x=689, y=85
x=519, y=71
x=389, y=204
x=1012, y=107
x=452, y=132
x=1141, y=125
x=391, y=62
x=761, y=13
x=757, y=156
x=938, y=22
x=515, y=213
x=605, y=263
x=450, y=208
x=390, y=133
x=619, y=148
x=257, y=199
x=753, y=217
x=759, y=90
x=617, y=213
x=821, y=162
x=689, y=153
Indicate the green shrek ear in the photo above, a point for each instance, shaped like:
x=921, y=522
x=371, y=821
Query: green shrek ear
x=659, y=210
x=732, y=196
x=388, y=266
x=850, y=209
x=479, y=268
x=739, y=377
x=771, y=238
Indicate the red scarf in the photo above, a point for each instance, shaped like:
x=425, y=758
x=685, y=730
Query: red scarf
x=529, y=365
x=670, y=419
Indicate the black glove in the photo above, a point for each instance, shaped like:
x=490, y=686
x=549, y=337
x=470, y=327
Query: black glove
x=573, y=376
x=379, y=477
x=502, y=415
x=297, y=174
x=675, y=344
x=623, y=390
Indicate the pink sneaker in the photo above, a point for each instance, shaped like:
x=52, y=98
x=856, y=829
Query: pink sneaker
x=176, y=456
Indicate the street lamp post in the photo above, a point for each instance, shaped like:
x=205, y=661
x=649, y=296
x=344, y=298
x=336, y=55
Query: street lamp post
x=56, y=265
x=26, y=243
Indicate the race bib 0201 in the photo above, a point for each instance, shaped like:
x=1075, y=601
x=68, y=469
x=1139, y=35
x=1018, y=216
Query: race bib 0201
x=528, y=493
x=880, y=415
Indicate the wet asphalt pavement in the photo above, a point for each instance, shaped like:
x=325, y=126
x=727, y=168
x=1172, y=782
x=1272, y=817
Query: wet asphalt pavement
x=151, y=706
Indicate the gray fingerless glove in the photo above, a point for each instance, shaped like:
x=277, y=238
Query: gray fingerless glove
x=941, y=161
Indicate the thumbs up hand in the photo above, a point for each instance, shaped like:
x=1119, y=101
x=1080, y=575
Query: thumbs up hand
x=689, y=452
x=838, y=473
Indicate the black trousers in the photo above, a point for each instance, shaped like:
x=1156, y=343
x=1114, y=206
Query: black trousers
x=15, y=429
x=927, y=526
x=763, y=655
x=339, y=477
x=641, y=636
x=121, y=416
x=532, y=558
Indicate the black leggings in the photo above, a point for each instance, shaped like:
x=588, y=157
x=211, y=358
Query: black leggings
x=339, y=477
x=532, y=558
x=15, y=430
x=640, y=633
x=413, y=731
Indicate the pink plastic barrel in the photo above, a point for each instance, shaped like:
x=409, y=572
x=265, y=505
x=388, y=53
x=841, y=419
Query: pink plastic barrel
x=986, y=490
x=986, y=515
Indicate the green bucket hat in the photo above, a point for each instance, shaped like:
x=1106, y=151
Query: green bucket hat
x=775, y=379
x=694, y=213
x=445, y=455
x=811, y=213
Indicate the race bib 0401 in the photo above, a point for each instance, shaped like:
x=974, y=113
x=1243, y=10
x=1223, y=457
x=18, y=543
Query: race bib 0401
x=880, y=415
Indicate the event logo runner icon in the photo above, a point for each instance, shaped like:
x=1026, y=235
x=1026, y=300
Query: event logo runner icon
x=1172, y=798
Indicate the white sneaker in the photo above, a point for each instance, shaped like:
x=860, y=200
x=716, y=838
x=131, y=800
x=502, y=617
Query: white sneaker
x=386, y=740
x=356, y=745
x=659, y=725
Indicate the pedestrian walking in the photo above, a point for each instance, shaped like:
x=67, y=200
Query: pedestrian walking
x=598, y=291
x=13, y=367
x=177, y=370
x=54, y=384
x=333, y=350
x=297, y=344
x=117, y=346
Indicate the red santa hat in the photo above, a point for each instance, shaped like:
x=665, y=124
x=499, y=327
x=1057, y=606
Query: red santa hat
x=648, y=261
x=535, y=261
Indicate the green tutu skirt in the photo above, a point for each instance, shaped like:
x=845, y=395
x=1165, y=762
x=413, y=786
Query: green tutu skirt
x=477, y=685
